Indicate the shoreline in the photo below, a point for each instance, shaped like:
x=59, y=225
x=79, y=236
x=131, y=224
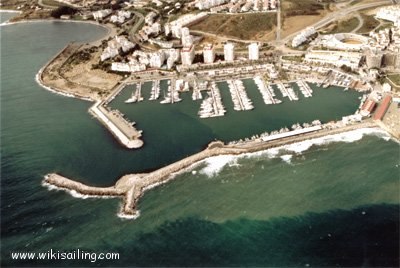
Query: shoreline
x=105, y=26
x=10, y=11
x=131, y=187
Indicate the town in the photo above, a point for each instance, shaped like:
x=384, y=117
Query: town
x=157, y=40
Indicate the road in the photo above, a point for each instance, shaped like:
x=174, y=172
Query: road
x=225, y=37
x=279, y=24
x=135, y=27
x=40, y=3
x=337, y=15
x=360, y=24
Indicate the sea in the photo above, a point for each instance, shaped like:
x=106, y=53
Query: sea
x=327, y=202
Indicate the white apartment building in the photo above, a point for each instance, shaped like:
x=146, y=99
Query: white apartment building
x=101, y=14
x=206, y=4
x=157, y=59
x=303, y=36
x=208, y=53
x=187, y=55
x=149, y=19
x=390, y=13
x=229, y=52
x=113, y=47
x=175, y=27
x=253, y=51
x=335, y=58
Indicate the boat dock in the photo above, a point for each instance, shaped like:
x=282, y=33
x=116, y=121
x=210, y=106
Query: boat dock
x=136, y=95
x=305, y=88
x=155, y=90
x=266, y=91
x=212, y=106
x=287, y=91
x=173, y=94
x=197, y=88
x=240, y=99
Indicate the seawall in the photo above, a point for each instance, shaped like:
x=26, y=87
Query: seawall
x=132, y=186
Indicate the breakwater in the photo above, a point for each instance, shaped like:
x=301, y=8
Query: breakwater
x=49, y=78
x=114, y=121
x=132, y=186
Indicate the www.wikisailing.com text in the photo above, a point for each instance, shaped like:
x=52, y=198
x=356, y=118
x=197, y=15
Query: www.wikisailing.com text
x=65, y=255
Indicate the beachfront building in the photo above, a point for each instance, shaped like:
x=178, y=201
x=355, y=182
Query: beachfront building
x=373, y=58
x=172, y=55
x=187, y=55
x=253, y=51
x=303, y=36
x=130, y=67
x=229, y=52
x=121, y=16
x=208, y=53
x=186, y=38
x=235, y=6
x=390, y=13
x=150, y=18
x=101, y=14
x=380, y=39
x=157, y=59
x=175, y=27
x=335, y=58
x=114, y=46
x=207, y=4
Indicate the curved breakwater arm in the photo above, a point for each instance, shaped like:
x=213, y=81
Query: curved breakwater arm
x=132, y=186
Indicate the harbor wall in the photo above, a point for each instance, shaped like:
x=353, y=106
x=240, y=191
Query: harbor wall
x=132, y=187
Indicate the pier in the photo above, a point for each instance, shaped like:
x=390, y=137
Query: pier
x=121, y=128
x=212, y=106
x=266, y=91
x=155, y=90
x=305, y=88
x=132, y=186
x=240, y=99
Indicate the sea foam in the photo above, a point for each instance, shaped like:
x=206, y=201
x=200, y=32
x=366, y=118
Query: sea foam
x=215, y=164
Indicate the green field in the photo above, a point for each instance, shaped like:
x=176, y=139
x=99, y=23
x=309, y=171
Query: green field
x=370, y=23
x=395, y=78
x=343, y=26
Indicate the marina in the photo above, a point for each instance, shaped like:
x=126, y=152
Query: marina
x=155, y=90
x=172, y=94
x=212, y=106
x=304, y=88
x=136, y=94
x=240, y=99
x=287, y=91
x=266, y=91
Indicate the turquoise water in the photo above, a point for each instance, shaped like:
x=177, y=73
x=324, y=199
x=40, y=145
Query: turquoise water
x=333, y=204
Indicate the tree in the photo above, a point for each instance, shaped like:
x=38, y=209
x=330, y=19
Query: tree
x=62, y=10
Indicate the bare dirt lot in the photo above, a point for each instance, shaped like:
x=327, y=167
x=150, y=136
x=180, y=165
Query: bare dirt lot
x=255, y=26
x=78, y=77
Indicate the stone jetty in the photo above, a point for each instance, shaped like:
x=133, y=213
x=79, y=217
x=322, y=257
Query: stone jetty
x=132, y=186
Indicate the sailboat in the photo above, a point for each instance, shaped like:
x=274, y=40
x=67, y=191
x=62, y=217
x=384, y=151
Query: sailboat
x=132, y=99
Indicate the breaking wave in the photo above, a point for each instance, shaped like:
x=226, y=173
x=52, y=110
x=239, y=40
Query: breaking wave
x=215, y=164
x=74, y=193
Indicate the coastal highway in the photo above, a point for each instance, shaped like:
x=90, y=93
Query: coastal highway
x=339, y=14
